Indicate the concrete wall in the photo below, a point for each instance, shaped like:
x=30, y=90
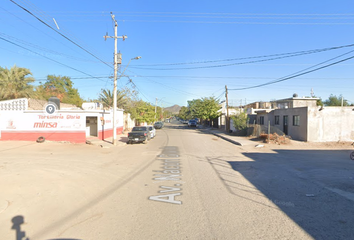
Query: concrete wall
x=296, y=132
x=128, y=122
x=64, y=125
x=331, y=124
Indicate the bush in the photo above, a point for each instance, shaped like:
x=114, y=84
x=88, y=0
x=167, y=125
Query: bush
x=240, y=121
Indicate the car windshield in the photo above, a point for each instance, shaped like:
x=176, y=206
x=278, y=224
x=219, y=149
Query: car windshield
x=139, y=129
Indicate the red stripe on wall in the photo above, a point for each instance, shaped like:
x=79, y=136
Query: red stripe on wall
x=108, y=133
x=74, y=137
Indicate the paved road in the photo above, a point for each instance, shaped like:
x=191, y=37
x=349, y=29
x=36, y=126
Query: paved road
x=184, y=184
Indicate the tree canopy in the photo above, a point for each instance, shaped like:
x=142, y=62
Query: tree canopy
x=15, y=83
x=336, y=101
x=204, y=108
x=60, y=87
x=106, y=98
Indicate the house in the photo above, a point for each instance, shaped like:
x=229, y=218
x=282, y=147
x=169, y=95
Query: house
x=303, y=120
x=223, y=113
x=28, y=119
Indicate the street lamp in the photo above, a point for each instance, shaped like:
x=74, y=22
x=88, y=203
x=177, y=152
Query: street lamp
x=115, y=101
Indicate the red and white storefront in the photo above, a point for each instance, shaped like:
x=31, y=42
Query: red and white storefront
x=64, y=125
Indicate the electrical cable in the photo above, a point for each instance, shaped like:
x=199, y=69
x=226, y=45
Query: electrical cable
x=293, y=76
x=239, y=63
x=44, y=49
x=75, y=69
x=304, y=52
x=61, y=34
x=184, y=92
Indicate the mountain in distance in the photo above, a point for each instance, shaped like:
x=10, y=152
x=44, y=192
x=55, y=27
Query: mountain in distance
x=174, y=109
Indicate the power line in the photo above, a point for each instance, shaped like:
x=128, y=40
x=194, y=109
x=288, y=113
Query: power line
x=248, y=62
x=294, y=76
x=238, y=23
x=304, y=52
x=60, y=33
x=75, y=69
x=43, y=49
x=184, y=92
x=131, y=81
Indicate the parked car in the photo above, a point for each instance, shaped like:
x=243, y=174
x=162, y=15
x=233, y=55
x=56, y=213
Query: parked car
x=192, y=123
x=139, y=134
x=152, y=131
x=158, y=125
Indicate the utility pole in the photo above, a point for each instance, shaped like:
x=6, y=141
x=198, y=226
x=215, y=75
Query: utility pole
x=227, y=111
x=155, y=108
x=116, y=62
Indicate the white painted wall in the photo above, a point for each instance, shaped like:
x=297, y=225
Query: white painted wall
x=331, y=124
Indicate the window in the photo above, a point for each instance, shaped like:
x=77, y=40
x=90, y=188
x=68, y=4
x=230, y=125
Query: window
x=276, y=120
x=296, y=120
x=261, y=120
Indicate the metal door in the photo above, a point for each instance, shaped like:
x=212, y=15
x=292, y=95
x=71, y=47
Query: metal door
x=285, y=125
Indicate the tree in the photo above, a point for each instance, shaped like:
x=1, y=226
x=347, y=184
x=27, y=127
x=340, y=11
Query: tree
x=106, y=98
x=240, y=121
x=142, y=112
x=195, y=108
x=60, y=87
x=335, y=101
x=184, y=113
x=209, y=108
x=15, y=83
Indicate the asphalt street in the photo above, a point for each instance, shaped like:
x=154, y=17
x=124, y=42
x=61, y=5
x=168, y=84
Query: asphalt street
x=184, y=184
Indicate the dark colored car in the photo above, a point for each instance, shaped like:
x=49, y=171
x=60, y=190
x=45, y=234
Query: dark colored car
x=158, y=125
x=192, y=123
x=139, y=134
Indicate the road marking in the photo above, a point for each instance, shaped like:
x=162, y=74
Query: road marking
x=171, y=171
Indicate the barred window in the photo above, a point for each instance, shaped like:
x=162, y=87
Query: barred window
x=261, y=120
x=276, y=120
x=296, y=120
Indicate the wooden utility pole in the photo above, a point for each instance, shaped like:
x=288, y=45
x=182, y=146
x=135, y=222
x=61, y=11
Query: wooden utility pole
x=227, y=111
x=155, y=108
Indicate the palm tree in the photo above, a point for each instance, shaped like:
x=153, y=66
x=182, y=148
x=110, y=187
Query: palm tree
x=14, y=83
x=106, y=97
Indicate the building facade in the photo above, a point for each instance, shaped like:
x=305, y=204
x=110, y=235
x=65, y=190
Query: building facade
x=303, y=120
x=18, y=122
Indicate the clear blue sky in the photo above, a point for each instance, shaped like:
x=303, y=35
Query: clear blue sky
x=182, y=45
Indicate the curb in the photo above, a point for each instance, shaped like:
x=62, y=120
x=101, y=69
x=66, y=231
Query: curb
x=225, y=138
x=228, y=139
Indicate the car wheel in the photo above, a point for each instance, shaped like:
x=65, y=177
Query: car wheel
x=145, y=141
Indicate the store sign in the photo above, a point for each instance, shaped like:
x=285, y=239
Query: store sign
x=44, y=121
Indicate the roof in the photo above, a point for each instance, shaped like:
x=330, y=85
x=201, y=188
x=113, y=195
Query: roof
x=296, y=98
x=37, y=104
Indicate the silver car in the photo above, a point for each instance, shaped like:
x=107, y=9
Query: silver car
x=152, y=131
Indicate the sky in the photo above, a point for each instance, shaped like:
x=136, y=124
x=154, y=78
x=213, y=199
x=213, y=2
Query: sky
x=189, y=49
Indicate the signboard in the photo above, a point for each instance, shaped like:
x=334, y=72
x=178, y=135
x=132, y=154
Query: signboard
x=42, y=121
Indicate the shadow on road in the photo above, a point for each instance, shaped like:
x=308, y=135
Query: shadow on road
x=315, y=188
x=17, y=221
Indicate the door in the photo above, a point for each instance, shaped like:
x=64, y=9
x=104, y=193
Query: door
x=285, y=125
x=91, y=126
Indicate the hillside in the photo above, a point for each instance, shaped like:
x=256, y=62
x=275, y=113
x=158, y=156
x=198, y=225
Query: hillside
x=174, y=109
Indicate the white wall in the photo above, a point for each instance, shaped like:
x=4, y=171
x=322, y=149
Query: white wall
x=331, y=124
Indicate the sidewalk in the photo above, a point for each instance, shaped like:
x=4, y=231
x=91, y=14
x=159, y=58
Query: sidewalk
x=108, y=142
x=237, y=140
